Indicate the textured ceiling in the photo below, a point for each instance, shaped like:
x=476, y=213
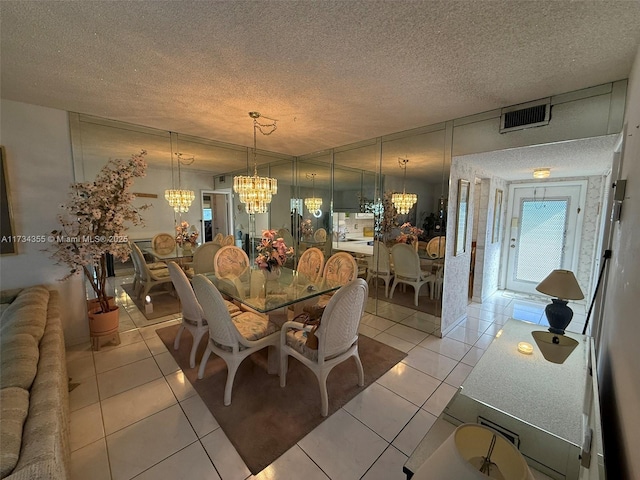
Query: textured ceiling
x=332, y=73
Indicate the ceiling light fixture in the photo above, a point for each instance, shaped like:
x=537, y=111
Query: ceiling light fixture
x=254, y=191
x=179, y=199
x=403, y=201
x=541, y=173
x=313, y=203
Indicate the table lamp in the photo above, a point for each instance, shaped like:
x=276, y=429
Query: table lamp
x=474, y=451
x=563, y=285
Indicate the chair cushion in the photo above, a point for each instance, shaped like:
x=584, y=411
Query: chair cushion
x=19, y=356
x=14, y=406
x=297, y=339
x=156, y=265
x=253, y=326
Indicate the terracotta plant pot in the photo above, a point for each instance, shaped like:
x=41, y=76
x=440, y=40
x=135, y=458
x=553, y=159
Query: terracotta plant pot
x=93, y=303
x=102, y=324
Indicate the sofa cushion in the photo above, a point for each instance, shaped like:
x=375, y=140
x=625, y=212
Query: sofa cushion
x=19, y=356
x=14, y=405
x=27, y=313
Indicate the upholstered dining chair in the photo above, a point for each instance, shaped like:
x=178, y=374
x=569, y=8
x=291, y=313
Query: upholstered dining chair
x=192, y=314
x=406, y=267
x=137, y=269
x=379, y=265
x=340, y=269
x=320, y=235
x=148, y=278
x=203, y=258
x=231, y=264
x=311, y=264
x=163, y=243
x=337, y=338
x=231, y=338
x=436, y=247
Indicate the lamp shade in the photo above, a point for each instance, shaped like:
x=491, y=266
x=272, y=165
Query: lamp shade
x=459, y=456
x=561, y=284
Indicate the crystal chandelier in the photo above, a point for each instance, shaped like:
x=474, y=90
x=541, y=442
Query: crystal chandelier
x=313, y=203
x=403, y=201
x=179, y=199
x=254, y=191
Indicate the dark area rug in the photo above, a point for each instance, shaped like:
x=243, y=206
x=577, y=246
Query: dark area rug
x=265, y=420
x=164, y=303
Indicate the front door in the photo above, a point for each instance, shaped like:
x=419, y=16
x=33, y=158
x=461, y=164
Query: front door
x=546, y=221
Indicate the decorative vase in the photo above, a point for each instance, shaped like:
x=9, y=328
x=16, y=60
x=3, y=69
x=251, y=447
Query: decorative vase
x=186, y=247
x=271, y=275
x=94, y=303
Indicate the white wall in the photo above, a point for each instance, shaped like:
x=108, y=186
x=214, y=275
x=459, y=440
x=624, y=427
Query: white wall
x=40, y=169
x=618, y=356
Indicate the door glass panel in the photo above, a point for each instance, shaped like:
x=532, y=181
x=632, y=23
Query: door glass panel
x=542, y=237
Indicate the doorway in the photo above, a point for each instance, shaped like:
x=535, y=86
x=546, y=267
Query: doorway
x=544, y=234
x=215, y=214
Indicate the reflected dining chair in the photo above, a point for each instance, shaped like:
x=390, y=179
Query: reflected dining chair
x=203, y=257
x=320, y=235
x=192, y=314
x=406, y=269
x=218, y=239
x=148, y=278
x=163, y=243
x=228, y=240
x=231, y=338
x=311, y=264
x=337, y=338
x=379, y=265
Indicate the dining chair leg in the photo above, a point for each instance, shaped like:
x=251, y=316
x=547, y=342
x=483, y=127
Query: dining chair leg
x=203, y=362
x=176, y=342
x=356, y=357
x=284, y=364
x=324, y=396
x=196, y=342
x=232, y=368
x=393, y=288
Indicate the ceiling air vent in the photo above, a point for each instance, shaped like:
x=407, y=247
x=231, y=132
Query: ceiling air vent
x=526, y=115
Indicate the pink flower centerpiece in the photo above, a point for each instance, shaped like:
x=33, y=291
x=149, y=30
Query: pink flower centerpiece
x=186, y=236
x=408, y=233
x=272, y=251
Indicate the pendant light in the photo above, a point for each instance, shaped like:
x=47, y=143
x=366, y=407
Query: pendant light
x=254, y=191
x=403, y=201
x=313, y=203
x=179, y=199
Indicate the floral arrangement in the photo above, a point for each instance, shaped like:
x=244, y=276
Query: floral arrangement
x=186, y=236
x=306, y=229
x=94, y=222
x=272, y=251
x=408, y=233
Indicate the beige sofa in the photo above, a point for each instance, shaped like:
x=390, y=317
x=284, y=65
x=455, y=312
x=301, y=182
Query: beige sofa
x=34, y=403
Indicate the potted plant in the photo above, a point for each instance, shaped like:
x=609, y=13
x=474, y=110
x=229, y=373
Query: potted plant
x=93, y=224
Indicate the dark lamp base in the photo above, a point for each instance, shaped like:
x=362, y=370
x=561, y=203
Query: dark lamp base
x=559, y=315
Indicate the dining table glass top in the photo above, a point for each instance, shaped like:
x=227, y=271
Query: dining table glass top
x=175, y=254
x=254, y=290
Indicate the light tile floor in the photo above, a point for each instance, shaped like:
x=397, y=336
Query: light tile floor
x=135, y=415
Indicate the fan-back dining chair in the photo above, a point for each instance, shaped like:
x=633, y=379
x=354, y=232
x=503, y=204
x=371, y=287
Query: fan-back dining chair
x=340, y=269
x=163, y=243
x=379, y=265
x=231, y=264
x=203, y=258
x=311, y=264
x=148, y=278
x=231, y=338
x=137, y=275
x=406, y=269
x=192, y=313
x=436, y=247
x=320, y=235
x=337, y=338
x=218, y=239
x=228, y=240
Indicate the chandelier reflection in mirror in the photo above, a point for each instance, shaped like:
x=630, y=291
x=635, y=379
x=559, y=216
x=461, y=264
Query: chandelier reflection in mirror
x=403, y=201
x=254, y=191
x=313, y=203
x=179, y=199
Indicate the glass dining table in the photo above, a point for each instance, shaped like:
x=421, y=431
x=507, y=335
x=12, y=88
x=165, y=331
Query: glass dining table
x=263, y=295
